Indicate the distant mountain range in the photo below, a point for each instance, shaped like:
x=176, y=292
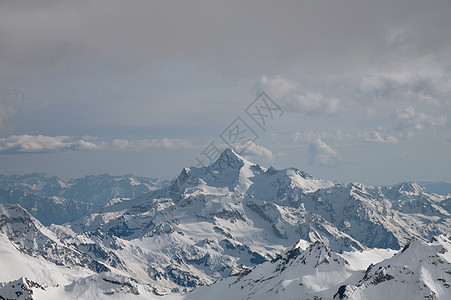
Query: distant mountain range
x=262, y=233
x=53, y=200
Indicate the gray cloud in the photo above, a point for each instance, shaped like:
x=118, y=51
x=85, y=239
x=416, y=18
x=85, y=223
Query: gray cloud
x=10, y=105
x=314, y=104
x=251, y=36
x=311, y=103
x=430, y=87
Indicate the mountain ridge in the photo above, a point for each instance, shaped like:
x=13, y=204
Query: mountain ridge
x=52, y=200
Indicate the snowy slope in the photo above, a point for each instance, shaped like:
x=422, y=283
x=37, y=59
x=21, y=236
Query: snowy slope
x=30, y=237
x=102, y=286
x=99, y=286
x=38, y=269
x=298, y=274
x=36, y=264
x=419, y=271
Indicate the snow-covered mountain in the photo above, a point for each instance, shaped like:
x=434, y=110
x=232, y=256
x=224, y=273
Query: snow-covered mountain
x=383, y=217
x=37, y=264
x=53, y=200
x=231, y=217
x=215, y=221
x=305, y=271
x=419, y=271
x=29, y=236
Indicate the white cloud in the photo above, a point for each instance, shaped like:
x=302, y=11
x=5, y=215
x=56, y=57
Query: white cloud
x=314, y=104
x=276, y=86
x=121, y=143
x=309, y=136
x=410, y=118
x=164, y=143
x=41, y=144
x=378, y=137
x=319, y=153
x=252, y=149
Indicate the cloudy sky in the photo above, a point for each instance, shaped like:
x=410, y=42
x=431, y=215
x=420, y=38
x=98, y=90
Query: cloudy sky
x=363, y=88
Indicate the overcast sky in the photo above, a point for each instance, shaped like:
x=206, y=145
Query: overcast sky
x=143, y=87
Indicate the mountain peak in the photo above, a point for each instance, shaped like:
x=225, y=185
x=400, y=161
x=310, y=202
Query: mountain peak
x=230, y=151
x=14, y=211
x=411, y=188
x=314, y=255
x=229, y=161
x=18, y=289
x=226, y=171
x=229, y=158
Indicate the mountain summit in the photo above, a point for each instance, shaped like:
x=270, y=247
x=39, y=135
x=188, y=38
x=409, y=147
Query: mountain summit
x=229, y=159
x=237, y=174
x=230, y=170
